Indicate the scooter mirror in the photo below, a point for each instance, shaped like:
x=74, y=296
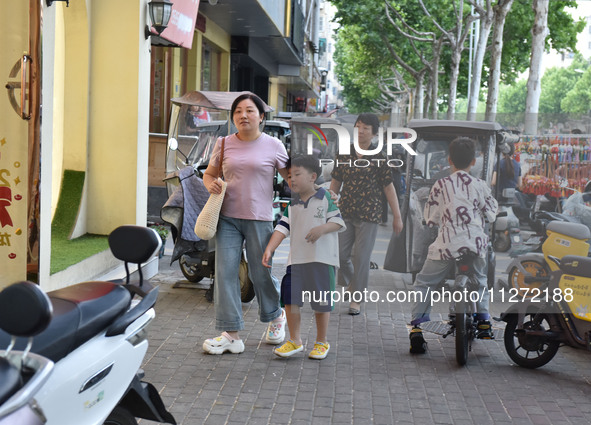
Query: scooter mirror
x=173, y=144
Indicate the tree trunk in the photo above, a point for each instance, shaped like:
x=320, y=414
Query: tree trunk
x=435, y=77
x=485, y=25
x=534, y=89
x=500, y=12
x=419, y=96
x=456, y=56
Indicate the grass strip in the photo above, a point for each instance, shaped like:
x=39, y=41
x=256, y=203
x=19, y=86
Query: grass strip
x=66, y=252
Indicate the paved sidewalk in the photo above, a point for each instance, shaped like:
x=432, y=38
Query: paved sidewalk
x=368, y=377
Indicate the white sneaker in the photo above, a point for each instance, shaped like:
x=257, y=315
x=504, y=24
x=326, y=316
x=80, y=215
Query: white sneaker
x=276, y=330
x=223, y=343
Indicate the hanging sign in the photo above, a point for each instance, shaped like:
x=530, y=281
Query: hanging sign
x=181, y=26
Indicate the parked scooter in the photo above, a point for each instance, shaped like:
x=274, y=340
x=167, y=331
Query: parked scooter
x=558, y=314
x=532, y=270
x=196, y=257
x=97, y=339
x=25, y=311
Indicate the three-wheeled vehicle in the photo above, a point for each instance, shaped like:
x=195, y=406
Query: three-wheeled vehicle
x=408, y=250
x=190, y=144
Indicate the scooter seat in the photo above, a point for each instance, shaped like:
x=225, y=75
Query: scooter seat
x=10, y=380
x=575, y=265
x=573, y=230
x=79, y=313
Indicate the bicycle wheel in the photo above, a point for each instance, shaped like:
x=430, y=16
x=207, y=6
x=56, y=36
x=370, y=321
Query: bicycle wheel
x=463, y=323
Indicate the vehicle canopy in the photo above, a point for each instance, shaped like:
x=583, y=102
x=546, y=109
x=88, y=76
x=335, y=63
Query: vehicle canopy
x=407, y=252
x=324, y=143
x=198, y=119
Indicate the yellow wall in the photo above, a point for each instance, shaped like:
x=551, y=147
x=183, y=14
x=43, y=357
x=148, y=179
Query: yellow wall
x=113, y=114
x=274, y=94
x=222, y=40
x=76, y=96
x=177, y=73
x=194, y=63
x=13, y=145
x=215, y=35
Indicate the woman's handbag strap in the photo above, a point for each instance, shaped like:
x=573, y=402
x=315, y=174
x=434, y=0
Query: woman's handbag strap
x=220, y=171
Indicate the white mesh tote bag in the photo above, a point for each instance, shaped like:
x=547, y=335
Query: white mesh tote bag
x=207, y=221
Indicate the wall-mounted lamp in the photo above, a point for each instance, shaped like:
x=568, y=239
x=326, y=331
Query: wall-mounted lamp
x=213, y=2
x=160, y=11
x=50, y=2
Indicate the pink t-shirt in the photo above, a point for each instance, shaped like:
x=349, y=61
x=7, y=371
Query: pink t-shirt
x=249, y=168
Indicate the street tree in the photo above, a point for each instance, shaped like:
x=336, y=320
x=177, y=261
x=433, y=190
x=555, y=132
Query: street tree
x=500, y=11
x=429, y=65
x=456, y=36
x=486, y=12
x=578, y=99
x=393, y=49
x=534, y=88
x=512, y=36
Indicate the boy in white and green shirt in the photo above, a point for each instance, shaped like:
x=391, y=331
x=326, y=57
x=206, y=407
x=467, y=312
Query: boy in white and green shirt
x=312, y=221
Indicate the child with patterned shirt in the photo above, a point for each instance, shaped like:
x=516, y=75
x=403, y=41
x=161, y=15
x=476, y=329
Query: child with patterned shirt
x=312, y=221
x=458, y=204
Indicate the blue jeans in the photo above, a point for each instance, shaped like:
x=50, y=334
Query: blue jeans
x=432, y=274
x=230, y=235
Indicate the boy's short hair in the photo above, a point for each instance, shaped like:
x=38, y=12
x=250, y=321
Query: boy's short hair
x=308, y=162
x=288, y=164
x=369, y=119
x=462, y=151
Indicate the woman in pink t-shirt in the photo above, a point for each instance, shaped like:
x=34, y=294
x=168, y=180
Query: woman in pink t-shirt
x=249, y=163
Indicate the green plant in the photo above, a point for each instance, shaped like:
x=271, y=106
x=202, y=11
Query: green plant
x=162, y=231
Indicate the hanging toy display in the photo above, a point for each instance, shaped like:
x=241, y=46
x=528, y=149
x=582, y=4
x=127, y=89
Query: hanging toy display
x=549, y=160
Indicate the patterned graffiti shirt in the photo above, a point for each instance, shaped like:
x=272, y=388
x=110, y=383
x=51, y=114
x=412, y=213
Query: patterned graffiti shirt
x=458, y=204
x=362, y=192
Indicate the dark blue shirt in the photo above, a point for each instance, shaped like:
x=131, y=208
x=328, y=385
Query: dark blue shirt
x=506, y=182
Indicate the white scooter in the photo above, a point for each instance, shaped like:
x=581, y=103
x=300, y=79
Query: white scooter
x=25, y=311
x=97, y=340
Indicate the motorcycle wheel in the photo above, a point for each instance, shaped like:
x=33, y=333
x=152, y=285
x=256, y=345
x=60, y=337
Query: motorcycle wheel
x=120, y=416
x=502, y=242
x=190, y=272
x=517, y=279
x=529, y=351
x=463, y=325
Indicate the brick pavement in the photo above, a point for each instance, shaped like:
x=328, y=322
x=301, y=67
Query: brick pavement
x=368, y=376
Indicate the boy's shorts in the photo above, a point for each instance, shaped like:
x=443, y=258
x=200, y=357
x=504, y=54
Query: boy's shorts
x=313, y=282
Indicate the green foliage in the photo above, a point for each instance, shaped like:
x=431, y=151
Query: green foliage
x=162, y=231
x=363, y=59
x=517, y=37
x=357, y=69
x=578, y=99
x=556, y=84
x=511, y=105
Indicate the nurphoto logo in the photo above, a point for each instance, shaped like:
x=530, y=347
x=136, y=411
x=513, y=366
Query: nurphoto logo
x=344, y=145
